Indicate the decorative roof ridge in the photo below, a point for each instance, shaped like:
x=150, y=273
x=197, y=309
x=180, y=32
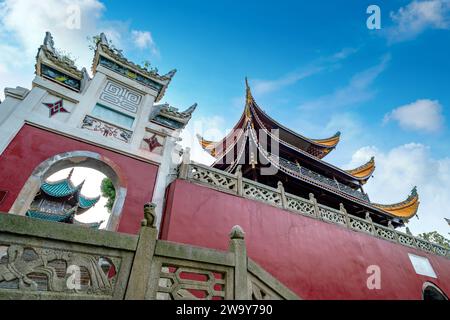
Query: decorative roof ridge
x=118, y=55
x=312, y=141
x=64, y=62
x=168, y=110
x=305, y=152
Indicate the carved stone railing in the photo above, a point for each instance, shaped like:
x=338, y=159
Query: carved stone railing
x=246, y=188
x=50, y=260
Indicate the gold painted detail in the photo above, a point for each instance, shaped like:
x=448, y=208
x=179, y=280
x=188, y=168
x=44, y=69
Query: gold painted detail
x=364, y=172
x=405, y=209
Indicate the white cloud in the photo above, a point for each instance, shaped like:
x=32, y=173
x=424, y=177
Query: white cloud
x=23, y=24
x=144, y=40
x=421, y=115
x=418, y=16
x=260, y=87
x=358, y=90
x=400, y=169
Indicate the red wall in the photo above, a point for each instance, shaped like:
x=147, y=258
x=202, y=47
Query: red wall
x=31, y=146
x=315, y=259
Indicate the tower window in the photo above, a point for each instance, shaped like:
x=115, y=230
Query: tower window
x=112, y=116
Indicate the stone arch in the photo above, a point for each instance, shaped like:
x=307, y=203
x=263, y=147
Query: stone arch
x=65, y=160
x=430, y=291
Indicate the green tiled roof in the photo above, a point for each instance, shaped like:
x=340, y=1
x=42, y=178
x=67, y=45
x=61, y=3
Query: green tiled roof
x=49, y=216
x=61, y=188
x=86, y=203
x=64, y=188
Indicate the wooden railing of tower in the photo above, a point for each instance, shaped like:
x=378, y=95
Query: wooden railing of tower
x=237, y=185
x=49, y=260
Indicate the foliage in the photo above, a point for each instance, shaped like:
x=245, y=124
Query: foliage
x=436, y=238
x=108, y=191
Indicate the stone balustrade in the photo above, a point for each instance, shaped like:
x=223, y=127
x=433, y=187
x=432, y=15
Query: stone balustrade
x=236, y=184
x=51, y=260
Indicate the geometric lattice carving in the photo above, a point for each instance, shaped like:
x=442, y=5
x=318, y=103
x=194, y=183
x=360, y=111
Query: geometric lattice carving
x=301, y=206
x=43, y=269
x=213, y=178
x=185, y=283
x=424, y=245
x=121, y=97
x=262, y=194
x=385, y=233
x=332, y=216
x=259, y=291
x=360, y=225
x=406, y=239
x=439, y=250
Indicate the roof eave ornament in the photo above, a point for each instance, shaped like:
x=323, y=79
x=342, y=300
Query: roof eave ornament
x=189, y=111
x=48, y=42
x=103, y=39
x=170, y=74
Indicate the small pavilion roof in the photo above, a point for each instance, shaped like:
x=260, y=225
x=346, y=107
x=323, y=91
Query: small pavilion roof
x=65, y=188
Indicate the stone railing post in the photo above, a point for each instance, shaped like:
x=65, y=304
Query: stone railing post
x=140, y=270
x=368, y=218
x=239, y=183
x=316, y=206
x=237, y=246
x=184, y=166
x=282, y=195
x=391, y=227
x=345, y=213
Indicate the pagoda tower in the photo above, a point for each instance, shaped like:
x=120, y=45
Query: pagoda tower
x=269, y=153
x=61, y=201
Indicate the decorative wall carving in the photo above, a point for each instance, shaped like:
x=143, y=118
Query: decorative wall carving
x=153, y=142
x=126, y=72
x=121, y=97
x=43, y=269
x=60, y=77
x=106, y=129
x=55, y=108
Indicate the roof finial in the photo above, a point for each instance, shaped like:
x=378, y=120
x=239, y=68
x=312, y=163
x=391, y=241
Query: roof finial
x=103, y=39
x=249, y=97
x=70, y=174
x=170, y=74
x=48, y=42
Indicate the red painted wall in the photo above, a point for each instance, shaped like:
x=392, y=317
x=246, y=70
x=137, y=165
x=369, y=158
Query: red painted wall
x=315, y=259
x=32, y=145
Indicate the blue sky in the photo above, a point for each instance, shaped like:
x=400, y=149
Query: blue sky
x=313, y=65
